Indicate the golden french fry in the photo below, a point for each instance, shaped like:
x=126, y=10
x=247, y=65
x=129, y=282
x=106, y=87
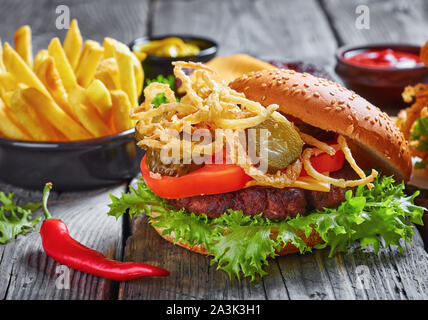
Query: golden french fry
x=23, y=45
x=91, y=56
x=7, y=82
x=73, y=44
x=2, y=67
x=61, y=61
x=121, y=107
x=88, y=116
x=8, y=126
x=49, y=75
x=40, y=128
x=41, y=56
x=99, y=96
x=55, y=115
x=108, y=73
x=20, y=70
x=111, y=45
x=123, y=56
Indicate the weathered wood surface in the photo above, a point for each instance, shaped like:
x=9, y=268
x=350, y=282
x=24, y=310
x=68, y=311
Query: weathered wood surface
x=290, y=30
x=390, y=21
x=26, y=272
x=359, y=274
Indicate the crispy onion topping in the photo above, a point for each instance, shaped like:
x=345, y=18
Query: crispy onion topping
x=210, y=104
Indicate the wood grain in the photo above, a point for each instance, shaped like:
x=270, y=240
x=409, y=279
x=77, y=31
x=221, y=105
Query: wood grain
x=26, y=272
x=287, y=30
x=122, y=20
x=390, y=21
x=359, y=274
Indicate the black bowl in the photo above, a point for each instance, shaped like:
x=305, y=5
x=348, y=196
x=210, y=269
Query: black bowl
x=70, y=166
x=153, y=65
x=381, y=86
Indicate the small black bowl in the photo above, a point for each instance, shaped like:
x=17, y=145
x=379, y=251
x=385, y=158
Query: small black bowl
x=154, y=65
x=70, y=166
x=381, y=86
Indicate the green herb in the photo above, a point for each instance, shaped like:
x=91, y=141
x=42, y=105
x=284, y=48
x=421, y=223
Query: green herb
x=241, y=244
x=160, y=97
x=14, y=219
x=419, y=133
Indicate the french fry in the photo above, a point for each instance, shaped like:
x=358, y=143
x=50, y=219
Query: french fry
x=88, y=116
x=121, y=107
x=99, y=96
x=61, y=61
x=123, y=56
x=7, y=83
x=55, y=115
x=20, y=70
x=111, y=45
x=73, y=44
x=91, y=56
x=40, y=128
x=49, y=75
x=23, y=46
x=8, y=126
x=41, y=56
x=108, y=73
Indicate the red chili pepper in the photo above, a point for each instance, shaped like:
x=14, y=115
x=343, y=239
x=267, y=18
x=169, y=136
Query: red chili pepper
x=60, y=246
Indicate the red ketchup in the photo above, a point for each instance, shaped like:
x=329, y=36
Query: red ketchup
x=387, y=58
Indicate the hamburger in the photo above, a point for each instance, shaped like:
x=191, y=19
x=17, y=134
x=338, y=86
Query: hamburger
x=328, y=168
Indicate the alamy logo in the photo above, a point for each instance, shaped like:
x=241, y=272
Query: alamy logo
x=62, y=281
x=363, y=19
x=63, y=19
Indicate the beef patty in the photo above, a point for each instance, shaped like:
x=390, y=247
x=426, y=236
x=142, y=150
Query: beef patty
x=273, y=202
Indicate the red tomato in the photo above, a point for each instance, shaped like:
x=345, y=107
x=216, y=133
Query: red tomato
x=210, y=179
x=326, y=163
x=221, y=178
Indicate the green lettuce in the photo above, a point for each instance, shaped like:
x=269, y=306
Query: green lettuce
x=160, y=97
x=419, y=134
x=241, y=244
x=14, y=219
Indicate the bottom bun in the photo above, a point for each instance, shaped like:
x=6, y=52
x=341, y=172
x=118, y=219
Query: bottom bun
x=311, y=241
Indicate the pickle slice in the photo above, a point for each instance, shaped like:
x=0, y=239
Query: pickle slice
x=154, y=163
x=284, y=144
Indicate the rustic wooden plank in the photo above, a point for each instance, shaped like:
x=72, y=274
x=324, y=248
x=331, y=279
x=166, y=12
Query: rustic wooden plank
x=390, y=21
x=122, y=20
x=390, y=274
x=26, y=272
x=285, y=30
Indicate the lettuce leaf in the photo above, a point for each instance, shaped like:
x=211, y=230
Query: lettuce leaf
x=14, y=219
x=160, y=97
x=419, y=134
x=241, y=245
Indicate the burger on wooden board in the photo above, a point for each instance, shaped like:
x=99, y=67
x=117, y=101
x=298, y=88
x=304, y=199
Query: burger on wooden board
x=276, y=162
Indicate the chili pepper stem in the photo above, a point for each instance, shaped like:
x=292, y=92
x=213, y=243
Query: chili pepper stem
x=46, y=192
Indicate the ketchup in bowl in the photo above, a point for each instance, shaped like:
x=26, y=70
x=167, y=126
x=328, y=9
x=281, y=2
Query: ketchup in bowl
x=384, y=58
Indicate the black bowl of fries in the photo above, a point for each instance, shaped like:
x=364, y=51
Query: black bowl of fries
x=65, y=113
x=159, y=61
x=77, y=165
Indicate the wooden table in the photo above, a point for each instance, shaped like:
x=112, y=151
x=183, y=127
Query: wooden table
x=289, y=30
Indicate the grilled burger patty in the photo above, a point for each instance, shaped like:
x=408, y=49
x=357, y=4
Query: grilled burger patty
x=273, y=202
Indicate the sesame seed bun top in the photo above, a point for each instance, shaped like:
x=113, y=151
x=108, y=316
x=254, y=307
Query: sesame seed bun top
x=373, y=137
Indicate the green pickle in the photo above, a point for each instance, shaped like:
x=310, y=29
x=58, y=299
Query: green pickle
x=284, y=144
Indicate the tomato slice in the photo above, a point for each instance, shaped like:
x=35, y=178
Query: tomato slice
x=210, y=179
x=326, y=163
x=221, y=178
